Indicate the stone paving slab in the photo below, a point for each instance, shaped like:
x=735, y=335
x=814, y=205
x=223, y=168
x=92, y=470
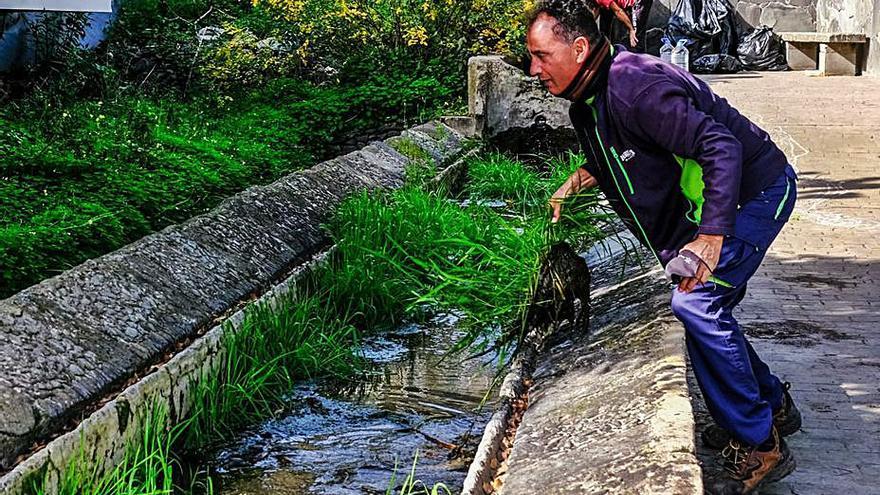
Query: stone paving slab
x=813, y=309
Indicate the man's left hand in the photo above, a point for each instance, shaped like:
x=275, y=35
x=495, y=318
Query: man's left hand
x=708, y=248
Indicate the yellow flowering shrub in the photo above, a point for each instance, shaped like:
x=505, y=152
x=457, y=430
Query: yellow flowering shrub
x=335, y=29
x=241, y=57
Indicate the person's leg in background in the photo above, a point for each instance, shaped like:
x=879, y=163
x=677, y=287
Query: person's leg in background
x=620, y=31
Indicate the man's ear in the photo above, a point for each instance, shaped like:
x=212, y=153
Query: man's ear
x=581, y=48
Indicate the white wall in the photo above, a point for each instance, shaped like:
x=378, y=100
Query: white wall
x=66, y=5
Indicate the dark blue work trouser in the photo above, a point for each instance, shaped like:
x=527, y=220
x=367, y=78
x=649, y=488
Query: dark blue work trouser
x=739, y=389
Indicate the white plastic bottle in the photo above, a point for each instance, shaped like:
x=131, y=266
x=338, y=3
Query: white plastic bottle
x=666, y=50
x=680, y=55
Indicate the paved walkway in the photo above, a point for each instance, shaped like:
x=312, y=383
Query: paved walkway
x=813, y=309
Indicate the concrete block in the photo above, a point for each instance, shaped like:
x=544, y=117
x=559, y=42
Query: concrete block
x=802, y=56
x=838, y=59
x=502, y=97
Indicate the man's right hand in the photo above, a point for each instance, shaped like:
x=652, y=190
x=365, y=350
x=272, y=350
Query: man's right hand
x=578, y=181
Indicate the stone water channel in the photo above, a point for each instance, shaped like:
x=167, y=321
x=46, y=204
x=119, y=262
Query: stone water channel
x=347, y=438
x=416, y=397
x=353, y=438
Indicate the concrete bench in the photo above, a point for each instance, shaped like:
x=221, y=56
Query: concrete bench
x=834, y=54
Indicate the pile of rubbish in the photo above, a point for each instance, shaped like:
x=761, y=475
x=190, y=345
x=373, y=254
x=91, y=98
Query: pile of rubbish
x=702, y=36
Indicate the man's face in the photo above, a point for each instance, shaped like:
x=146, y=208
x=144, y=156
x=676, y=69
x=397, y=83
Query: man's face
x=554, y=61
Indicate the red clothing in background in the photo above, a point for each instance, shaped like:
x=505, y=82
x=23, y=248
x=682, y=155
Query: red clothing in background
x=624, y=4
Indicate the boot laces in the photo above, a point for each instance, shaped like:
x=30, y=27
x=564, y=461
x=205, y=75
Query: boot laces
x=735, y=458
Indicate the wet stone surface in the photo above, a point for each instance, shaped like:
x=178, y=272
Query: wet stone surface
x=347, y=438
x=608, y=411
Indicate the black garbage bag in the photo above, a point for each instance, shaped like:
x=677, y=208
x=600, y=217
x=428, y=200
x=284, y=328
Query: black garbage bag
x=722, y=14
x=717, y=63
x=762, y=49
x=683, y=24
x=710, y=27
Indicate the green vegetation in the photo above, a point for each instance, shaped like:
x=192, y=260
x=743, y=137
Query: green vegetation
x=148, y=466
x=161, y=123
x=408, y=250
x=408, y=148
x=301, y=337
x=99, y=175
x=414, y=486
x=498, y=176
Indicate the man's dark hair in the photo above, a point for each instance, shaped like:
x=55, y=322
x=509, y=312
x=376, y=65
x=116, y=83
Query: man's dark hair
x=574, y=18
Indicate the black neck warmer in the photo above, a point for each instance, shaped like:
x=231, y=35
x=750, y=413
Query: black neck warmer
x=593, y=73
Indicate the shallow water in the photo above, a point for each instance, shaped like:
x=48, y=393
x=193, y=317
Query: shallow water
x=346, y=439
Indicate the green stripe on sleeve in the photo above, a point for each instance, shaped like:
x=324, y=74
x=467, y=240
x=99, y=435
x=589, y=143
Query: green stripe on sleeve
x=692, y=186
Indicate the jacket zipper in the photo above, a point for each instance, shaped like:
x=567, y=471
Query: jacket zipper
x=617, y=184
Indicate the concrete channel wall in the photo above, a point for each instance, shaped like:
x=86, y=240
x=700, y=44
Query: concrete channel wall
x=104, y=340
x=609, y=411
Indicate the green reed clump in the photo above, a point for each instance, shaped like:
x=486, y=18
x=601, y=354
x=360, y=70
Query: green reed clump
x=299, y=337
x=528, y=190
x=414, y=486
x=407, y=249
x=500, y=176
x=410, y=249
x=148, y=466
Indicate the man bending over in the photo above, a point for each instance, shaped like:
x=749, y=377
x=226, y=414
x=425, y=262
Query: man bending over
x=696, y=181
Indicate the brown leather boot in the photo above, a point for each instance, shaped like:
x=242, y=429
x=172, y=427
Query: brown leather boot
x=745, y=468
x=787, y=420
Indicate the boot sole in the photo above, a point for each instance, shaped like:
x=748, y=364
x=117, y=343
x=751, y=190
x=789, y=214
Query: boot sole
x=776, y=474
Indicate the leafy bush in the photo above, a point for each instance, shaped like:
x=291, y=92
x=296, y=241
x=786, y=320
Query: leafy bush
x=345, y=33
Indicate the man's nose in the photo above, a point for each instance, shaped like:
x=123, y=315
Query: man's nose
x=534, y=67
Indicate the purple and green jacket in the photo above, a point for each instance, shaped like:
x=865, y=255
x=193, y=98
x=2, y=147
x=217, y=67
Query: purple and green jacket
x=672, y=157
